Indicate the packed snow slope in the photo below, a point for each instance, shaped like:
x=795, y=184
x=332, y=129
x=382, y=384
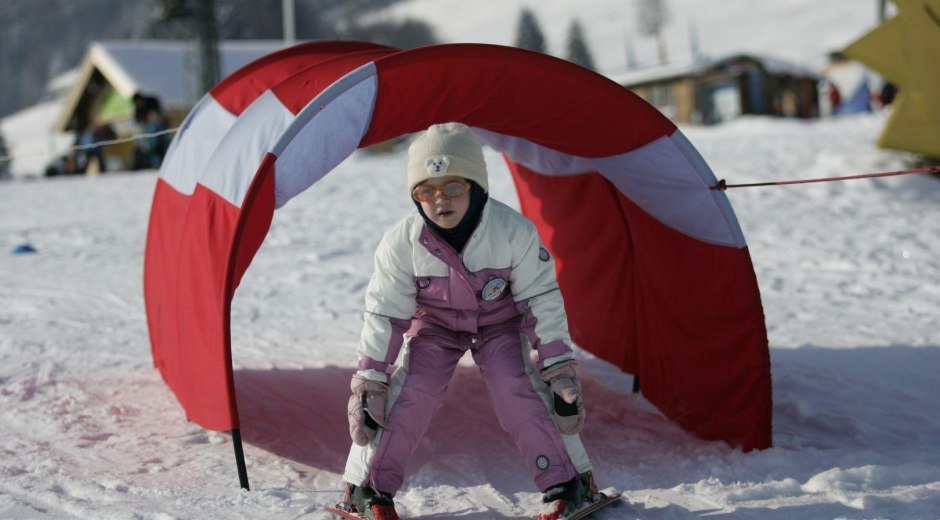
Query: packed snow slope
x=849, y=274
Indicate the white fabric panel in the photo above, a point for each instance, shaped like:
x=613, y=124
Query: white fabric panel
x=189, y=152
x=667, y=178
x=183, y=129
x=535, y=157
x=325, y=133
x=235, y=161
x=705, y=171
x=660, y=179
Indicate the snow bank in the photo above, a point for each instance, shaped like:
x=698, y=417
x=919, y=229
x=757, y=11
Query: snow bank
x=31, y=141
x=871, y=486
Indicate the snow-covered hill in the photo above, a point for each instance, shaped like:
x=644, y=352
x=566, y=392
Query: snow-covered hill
x=849, y=274
x=801, y=31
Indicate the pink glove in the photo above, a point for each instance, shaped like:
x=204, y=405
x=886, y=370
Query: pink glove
x=366, y=408
x=566, y=391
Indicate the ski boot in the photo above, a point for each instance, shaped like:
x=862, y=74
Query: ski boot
x=563, y=499
x=368, y=503
x=569, y=497
x=591, y=494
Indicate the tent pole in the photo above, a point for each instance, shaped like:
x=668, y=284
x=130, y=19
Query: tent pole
x=636, y=384
x=240, y=459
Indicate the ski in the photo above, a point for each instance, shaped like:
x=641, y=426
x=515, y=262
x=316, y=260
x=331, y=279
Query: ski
x=625, y=510
x=594, y=507
x=343, y=514
x=612, y=499
x=379, y=515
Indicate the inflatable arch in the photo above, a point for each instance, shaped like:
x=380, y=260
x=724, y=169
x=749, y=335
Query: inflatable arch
x=655, y=271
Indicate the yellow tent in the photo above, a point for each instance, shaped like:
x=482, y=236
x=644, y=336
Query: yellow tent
x=906, y=51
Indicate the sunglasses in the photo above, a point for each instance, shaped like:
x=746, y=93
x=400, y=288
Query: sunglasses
x=451, y=190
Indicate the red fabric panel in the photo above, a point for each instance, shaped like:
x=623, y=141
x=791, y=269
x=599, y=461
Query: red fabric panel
x=217, y=244
x=593, y=256
x=160, y=275
x=296, y=91
x=683, y=315
x=257, y=213
x=516, y=92
x=242, y=87
x=202, y=367
x=704, y=358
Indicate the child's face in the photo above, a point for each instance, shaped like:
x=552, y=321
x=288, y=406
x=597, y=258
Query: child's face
x=443, y=211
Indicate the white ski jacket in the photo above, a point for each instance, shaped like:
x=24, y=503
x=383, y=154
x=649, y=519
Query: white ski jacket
x=503, y=278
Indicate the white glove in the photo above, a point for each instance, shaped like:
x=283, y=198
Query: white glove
x=568, y=407
x=366, y=408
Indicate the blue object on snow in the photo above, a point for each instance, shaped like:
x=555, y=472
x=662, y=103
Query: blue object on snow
x=859, y=102
x=24, y=249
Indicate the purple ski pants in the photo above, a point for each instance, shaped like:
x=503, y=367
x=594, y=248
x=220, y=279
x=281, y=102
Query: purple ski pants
x=431, y=361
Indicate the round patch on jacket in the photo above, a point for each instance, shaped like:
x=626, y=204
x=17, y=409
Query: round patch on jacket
x=493, y=289
x=423, y=283
x=542, y=462
x=543, y=254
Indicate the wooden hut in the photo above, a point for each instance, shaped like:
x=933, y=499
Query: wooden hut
x=101, y=102
x=712, y=91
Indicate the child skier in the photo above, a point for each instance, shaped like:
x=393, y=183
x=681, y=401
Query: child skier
x=464, y=272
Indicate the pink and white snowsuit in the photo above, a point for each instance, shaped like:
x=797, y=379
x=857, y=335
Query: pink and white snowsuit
x=497, y=299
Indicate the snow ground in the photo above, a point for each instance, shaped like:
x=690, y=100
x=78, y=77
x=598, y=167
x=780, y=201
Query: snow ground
x=850, y=277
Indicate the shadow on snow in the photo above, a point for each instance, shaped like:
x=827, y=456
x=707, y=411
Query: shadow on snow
x=829, y=404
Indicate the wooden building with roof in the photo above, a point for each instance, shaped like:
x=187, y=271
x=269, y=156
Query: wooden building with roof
x=712, y=91
x=101, y=100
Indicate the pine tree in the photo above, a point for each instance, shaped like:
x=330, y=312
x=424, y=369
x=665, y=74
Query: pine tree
x=652, y=17
x=577, y=47
x=528, y=33
x=404, y=34
x=4, y=161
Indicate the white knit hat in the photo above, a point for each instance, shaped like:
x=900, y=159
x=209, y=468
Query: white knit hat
x=446, y=149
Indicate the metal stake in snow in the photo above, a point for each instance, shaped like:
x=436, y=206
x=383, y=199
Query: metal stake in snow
x=240, y=459
x=722, y=185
